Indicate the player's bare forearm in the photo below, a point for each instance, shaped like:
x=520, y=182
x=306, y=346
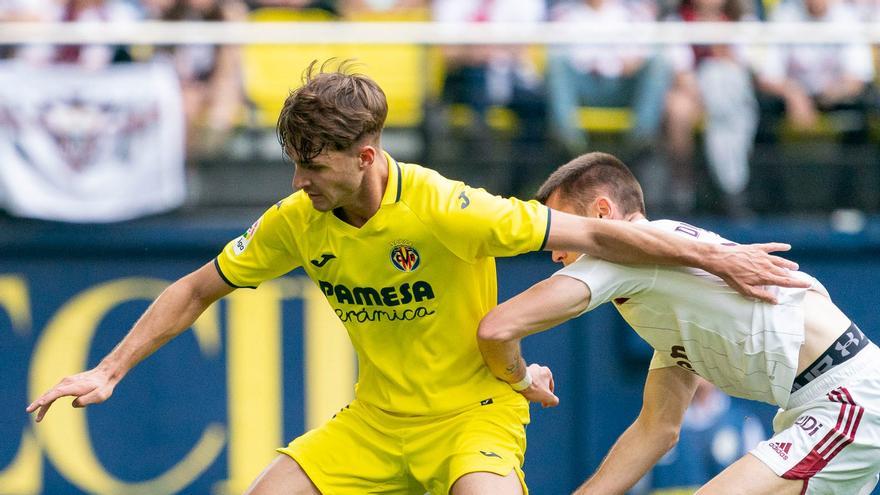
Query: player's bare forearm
x=504, y=359
x=622, y=242
x=175, y=310
x=498, y=339
x=746, y=268
x=542, y=306
x=171, y=313
x=506, y=362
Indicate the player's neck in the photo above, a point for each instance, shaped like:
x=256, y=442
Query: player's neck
x=369, y=197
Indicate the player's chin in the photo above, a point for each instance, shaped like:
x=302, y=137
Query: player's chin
x=320, y=203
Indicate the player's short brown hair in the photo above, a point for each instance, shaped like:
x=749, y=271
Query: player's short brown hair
x=581, y=180
x=332, y=110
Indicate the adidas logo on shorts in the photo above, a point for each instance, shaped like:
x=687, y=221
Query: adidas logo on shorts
x=781, y=448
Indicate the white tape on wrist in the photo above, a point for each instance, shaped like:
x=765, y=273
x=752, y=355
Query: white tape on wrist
x=523, y=384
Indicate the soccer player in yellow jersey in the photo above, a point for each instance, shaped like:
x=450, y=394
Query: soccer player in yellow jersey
x=405, y=258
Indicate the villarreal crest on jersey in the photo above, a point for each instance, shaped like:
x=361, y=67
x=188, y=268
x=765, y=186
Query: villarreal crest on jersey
x=410, y=285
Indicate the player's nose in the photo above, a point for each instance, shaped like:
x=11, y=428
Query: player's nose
x=299, y=181
x=557, y=256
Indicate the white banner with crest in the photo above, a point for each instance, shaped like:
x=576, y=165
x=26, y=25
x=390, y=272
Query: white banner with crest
x=81, y=145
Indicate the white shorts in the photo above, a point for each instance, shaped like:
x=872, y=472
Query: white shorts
x=829, y=436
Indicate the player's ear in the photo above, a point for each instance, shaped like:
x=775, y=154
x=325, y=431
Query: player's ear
x=367, y=154
x=604, y=207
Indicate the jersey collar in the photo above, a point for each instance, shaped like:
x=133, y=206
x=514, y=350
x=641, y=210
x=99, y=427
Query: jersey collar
x=393, y=187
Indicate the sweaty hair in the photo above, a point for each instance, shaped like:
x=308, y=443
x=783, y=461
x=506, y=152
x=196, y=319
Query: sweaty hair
x=581, y=180
x=331, y=111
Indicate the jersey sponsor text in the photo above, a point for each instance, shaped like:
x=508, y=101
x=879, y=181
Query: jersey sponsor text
x=384, y=296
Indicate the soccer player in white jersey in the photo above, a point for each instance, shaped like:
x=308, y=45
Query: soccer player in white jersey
x=406, y=259
x=802, y=354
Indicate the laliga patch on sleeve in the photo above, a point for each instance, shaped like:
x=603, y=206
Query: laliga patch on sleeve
x=240, y=244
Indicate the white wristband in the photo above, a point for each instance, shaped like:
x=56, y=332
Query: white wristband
x=523, y=384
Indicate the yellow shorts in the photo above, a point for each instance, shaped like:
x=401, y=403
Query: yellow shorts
x=364, y=449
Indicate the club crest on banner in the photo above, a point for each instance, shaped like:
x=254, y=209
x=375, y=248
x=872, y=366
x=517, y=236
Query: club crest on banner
x=83, y=130
x=96, y=146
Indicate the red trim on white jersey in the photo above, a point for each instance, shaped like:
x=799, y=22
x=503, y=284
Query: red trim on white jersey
x=837, y=439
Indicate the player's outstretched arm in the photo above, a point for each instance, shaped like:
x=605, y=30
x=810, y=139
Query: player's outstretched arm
x=746, y=268
x=668, y=392
x=544, y=305
x=172, y=312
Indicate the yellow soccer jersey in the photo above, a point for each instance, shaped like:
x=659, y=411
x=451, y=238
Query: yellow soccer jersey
x=410, y=285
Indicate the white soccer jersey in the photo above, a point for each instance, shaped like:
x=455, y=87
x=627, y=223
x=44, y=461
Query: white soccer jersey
x=694, y=320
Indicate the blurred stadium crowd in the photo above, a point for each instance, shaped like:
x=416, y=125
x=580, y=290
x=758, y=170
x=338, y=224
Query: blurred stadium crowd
x=733, y=130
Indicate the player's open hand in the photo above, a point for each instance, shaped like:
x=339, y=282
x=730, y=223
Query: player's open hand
x=747, y=268
x=541, y=389
x=88, y=387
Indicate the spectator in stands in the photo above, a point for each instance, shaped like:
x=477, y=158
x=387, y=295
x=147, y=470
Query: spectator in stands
x=210, y=76
x=484, y=76
x=716, y=431
x=605, y=76
x=350, y=7
x=22, y=10
x=867, y=10
x=328, y=5
x=18, y=10
x=713, y=84
x=89, y=56
x=805, y=80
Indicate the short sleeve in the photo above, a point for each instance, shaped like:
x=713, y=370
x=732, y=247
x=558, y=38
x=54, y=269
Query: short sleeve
x=659, y=361
x=262, y=253
x=608, y=281
x=473, y=224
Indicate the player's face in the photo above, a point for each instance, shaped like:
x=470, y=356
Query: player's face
x=818, y=8
x=559, y=204
x=331, y=180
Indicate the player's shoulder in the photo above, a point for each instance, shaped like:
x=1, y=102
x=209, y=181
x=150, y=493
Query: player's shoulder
x=689, y=230
x=672, y=225
x=669, y=224
x=422, y=187
x=293, y=210
x=418, y=177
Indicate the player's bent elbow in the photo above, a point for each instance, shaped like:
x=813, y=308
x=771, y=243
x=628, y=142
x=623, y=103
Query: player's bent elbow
x=492, y=331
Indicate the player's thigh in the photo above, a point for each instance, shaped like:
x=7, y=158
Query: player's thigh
x=355, y=452
x=750, y=476
x=832, y=439
x=481, y=483
x=485, y=444
x=283, y=476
